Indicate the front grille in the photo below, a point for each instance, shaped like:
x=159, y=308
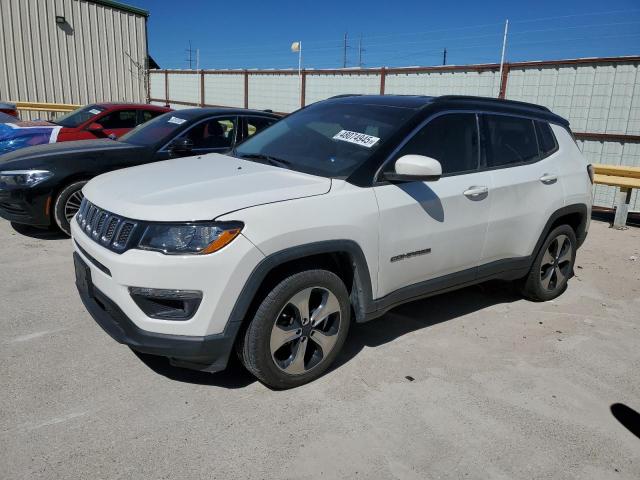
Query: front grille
x=108, y=229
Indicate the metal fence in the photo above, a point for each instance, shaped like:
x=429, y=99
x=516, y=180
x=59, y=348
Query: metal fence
x=599, y=96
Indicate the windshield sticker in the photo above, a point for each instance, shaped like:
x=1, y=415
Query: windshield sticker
x=94, y=111
x=357, y=138
x=176, y=120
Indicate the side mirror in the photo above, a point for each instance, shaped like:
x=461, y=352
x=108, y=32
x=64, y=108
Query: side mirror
x=95, y=127
x=411, y=168
x=180, y=147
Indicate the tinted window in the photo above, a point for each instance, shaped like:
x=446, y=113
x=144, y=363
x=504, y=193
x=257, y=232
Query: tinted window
x=79, y=116
x=157, y=130
x=215, y=133
x=546, y=139
x=146, y=115
x=451, y=139
x=327, y=139
x=119, y=119
x=511, y=140
x=255, y=124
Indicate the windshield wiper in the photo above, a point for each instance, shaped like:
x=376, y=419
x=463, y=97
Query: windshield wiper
x=278, y=162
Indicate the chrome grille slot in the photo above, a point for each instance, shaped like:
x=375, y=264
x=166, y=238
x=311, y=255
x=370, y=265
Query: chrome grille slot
x=111, y=231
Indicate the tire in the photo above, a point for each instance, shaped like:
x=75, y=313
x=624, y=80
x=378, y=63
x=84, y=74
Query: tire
x=67, y=204
x=281, y=346
x=552, y=267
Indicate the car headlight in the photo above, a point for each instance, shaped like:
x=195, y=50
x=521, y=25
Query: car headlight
x=23, y=178
x=192, y=238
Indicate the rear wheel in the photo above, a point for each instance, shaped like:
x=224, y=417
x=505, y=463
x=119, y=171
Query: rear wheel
x=67, y=205
x=553, y=266
x=298, y=329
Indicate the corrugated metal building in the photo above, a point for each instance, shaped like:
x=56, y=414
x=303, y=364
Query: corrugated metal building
x=72, y=51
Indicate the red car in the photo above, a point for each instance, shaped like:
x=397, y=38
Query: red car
x=100, y=120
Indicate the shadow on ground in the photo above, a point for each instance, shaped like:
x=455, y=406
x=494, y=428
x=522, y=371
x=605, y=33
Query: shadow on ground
x=628, y=417
x=396, y=323
x=39, y=233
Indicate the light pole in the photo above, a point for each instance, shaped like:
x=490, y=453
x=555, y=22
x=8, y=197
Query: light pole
x=296, y=47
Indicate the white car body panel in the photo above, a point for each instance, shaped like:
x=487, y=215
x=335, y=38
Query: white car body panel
x=430, y=215
x=198, y=188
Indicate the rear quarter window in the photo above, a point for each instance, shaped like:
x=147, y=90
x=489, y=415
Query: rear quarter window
x=546, y=139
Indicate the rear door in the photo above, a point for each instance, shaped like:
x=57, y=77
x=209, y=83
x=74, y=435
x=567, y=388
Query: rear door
x=432, y=229
x=527, y=187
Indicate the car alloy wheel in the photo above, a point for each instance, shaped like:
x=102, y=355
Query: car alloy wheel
x=72, y=205
x=305, y=331
x=555, y=267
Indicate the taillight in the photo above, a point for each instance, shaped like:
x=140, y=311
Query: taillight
x=590, y=172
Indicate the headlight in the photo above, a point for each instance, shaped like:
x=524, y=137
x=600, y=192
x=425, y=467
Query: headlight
x=195, y=238
x=24, y=178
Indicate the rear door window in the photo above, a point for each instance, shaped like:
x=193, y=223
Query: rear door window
x=216, y=133
x=511, y=140
x=146, y=115
x=256, y=124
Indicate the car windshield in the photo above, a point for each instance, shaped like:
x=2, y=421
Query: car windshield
x=156, y=130
x=326, y=139
x=79, y=116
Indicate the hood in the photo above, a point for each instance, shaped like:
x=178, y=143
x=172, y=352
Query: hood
x=15, y=135
x=198, y=188
x=40, y=153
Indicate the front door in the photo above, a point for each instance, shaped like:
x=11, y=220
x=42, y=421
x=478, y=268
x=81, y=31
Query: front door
x=432, y=229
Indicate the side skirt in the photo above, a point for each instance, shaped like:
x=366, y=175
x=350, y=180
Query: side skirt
x=509, y=269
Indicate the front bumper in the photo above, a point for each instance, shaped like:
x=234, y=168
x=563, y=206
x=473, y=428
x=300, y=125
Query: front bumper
x=25, y=205
x=208, y=353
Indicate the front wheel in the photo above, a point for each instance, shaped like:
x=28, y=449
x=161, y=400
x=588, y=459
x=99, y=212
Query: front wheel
x=67, y=205
x=298, y=329
x=553, y=266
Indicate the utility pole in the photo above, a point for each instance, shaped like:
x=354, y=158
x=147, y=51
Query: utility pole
x=197, y=59
x=344, y=51
x=504, y=48
x=360, y=50
x=190, y=51
x=444, y=56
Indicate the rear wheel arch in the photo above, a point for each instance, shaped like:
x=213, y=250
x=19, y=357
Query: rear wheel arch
x=576, y=216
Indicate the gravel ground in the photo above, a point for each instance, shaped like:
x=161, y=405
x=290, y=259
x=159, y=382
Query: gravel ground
x=473, y=384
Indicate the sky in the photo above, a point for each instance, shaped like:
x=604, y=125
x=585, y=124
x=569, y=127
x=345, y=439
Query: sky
x=258, y=34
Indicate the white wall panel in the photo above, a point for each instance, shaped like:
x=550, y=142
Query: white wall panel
x=319, y=87
x=225, y=89
x=484, y=84
x=156, y=84
x=279, y=93
x=184, y=87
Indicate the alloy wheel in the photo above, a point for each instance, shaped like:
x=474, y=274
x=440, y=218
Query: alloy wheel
x=305, y=331
x=556, y=263
x=72, y=205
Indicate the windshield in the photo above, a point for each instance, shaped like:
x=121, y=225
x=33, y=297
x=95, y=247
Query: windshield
x=79, y=116
x=326, y=139
x=155, y=131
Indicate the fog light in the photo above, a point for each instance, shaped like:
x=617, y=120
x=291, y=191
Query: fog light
x=165, y=304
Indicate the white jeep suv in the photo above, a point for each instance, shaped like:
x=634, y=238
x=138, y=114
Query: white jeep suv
x=338, y=212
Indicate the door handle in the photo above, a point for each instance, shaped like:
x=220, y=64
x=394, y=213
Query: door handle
x=548, y=178
x=476, y=193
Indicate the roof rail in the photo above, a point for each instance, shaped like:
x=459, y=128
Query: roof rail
x=343, y=95
x=499, y=101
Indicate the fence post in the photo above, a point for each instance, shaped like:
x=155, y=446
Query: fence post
x=202, y=88
x=503, y=81
x=383, y=79
x=166, y=88
x=246, y=89
x=303, y=88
